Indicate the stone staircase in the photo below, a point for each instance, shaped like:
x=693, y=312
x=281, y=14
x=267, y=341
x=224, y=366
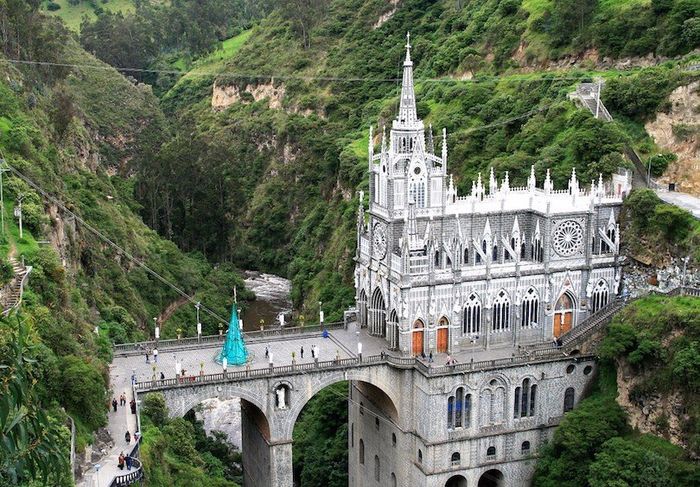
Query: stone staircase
x=11, y=294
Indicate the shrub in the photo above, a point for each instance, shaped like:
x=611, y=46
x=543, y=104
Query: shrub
x=6, y=272
x=82, y=391
x=154, y=407
x=52, y=6
x=623, y=462
x=659, y=163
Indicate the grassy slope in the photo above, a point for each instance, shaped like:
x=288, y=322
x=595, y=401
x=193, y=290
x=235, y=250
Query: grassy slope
x=73, y=15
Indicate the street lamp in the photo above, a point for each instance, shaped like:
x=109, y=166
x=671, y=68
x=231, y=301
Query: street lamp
x=320, y=313
x=156, y=329
x=18, y=213
x=199, y=325
x=3, y=168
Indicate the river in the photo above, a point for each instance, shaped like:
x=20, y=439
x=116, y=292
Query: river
x=272, y=298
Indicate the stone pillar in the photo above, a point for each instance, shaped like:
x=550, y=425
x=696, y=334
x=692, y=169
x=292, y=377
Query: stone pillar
x=281, y=473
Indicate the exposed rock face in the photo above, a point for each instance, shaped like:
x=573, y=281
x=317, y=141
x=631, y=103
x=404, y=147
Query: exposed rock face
x=222, y=416
x=387, y=15
x=225, y=96
x=656, y=414
x=678, y=131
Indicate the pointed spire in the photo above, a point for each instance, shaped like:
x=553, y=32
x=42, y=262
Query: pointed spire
x=473, y=188
x=548, y=186
x=370, y=148
x=532, y=181
x=407, y=107
x=537, y=229
x=611, y=220
x=493, y=184
x=451, y=193
x=601, y=187
x=234, y=350
x=431, y=142
x=516, y=227
x=487, y=230
x=479, y=188
x=573, y=183
x=505, y=187
x=361, y=214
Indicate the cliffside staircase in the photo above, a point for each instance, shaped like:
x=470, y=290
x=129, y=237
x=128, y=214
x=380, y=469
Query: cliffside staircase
x=11, y=294
x=577, y=336
x=588, y=96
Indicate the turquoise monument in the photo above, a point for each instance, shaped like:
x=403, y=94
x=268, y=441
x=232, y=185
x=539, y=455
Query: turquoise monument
x=234, y=350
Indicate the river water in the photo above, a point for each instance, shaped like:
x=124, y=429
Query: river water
x=273, y=297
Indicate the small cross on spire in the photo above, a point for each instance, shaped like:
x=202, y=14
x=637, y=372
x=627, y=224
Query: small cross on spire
x=408, y=40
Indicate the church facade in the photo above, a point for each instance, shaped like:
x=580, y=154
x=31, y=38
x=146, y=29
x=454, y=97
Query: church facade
x=500, y=267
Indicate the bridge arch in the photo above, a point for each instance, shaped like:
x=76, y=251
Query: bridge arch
x=389, y=395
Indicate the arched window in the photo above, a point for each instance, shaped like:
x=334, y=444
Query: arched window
x=525, y=448
x=417, y=193
x=450, y=412
x=530, y=308
x=455, y=459
x=361, y=452
x=437, y=259
x=491, y=451
x=420, y=456
x=376, y=468
x=523, y=255
x=471, y=324
x=537, y=249
x=459, y=404
x=494, y=253
x=524, y=400
x=600, y=297
x=569, y=399
x=465, y=256
x=393, y=479
x=501, y=312
x=467, y=410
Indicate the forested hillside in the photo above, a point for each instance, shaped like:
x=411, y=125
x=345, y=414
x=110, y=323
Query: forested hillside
x=70, y=133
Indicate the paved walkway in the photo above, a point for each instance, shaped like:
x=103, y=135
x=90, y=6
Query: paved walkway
x=682, y=200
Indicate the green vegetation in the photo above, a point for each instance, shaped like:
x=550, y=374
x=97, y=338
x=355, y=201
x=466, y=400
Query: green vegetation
x=178, y=452
x=321, y=439
x=72, y=12
x=593, y=445
x=657, y=230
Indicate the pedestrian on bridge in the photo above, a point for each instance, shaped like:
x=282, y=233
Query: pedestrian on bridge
x=120, y=462
x=267, y=352
x=148, y=352
x=114, y=404
x=155, y=355
x=127, y=437
x=301, y=352
x=128, y=463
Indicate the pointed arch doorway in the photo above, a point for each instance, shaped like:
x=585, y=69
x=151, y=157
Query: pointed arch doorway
x=563, y=314
x=442, y=335
x=417, y=338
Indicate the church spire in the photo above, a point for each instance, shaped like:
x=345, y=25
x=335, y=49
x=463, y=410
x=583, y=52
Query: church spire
x=407, y=108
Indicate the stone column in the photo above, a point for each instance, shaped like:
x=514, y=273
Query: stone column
x=281, y=474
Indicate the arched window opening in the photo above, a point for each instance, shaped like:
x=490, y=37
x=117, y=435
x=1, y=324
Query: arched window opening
x=569, y=399
x=537, y=249
x=455, y=459
x=420, y=456
x=491, y=451
x=393, y=479
x=494, y=253
x=525, y=398
x=471, y=324
x=516, y=403
x=530, y=309
x=376, y=468
x=501, y=312
x=450, y=412
x=525, y=448
x=437, y=259
x=523, y=252
x=361, y=452
x=459, y=404
x=601, y=296
x=465, y=256
x=416, y=192
x=467, y=410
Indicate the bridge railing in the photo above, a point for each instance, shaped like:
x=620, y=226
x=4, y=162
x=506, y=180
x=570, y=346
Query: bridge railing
x=137, y=348
x=343, y=363
x=135, y=474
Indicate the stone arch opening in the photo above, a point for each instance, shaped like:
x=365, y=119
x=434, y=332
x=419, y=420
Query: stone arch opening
x=418, y=337
x=393, y=329
x=456, y=481
x=491, y=478
x=248, y=427
x=362, y=308
x=564, y=311
x=377, y=314
x=354, y=407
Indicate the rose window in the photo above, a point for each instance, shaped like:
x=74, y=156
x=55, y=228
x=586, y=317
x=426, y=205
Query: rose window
x=568, y=238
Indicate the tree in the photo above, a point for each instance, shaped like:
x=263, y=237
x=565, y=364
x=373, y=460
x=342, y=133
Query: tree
x=82, y=390
x=304, y=14
x=155, y=408
x=32, y=444
x=569, y=18
x=623, y=463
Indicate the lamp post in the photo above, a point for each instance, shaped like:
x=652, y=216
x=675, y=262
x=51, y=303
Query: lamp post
x=320, y=313
x=18, y=213
x=156, y=329
x=199, y=324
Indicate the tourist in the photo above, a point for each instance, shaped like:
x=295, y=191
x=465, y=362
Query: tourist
x=122, y=399
x=132, y=404
x=155, y=355
x=430, y=357
x=128, y=459
x=313, y=351
x=114, y=404
x=301, y=351
x=162, y=375
x=127, y=437
x=148, y=352
x=449, y=360
x=422, y=355
x=267, y=352
x=120, y=462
